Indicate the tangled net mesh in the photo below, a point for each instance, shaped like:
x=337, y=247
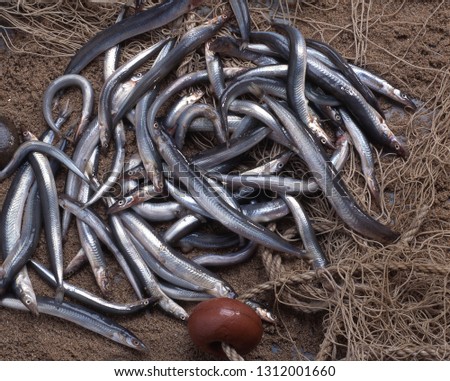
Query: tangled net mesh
x=376, y=302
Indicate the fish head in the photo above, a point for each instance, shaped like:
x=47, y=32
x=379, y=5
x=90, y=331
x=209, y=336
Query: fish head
x=405, y=99
x=135, y=343
x=122, y=204
x=399, y=146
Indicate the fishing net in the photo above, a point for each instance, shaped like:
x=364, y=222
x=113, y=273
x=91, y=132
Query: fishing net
x=373, y=302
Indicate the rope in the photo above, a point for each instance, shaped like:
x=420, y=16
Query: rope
x=231, y=353
x=325, y=226
x=296, y=279
x=415, y=226
x=272, y=263
x=419, y=352
x=327, y=346
x=275, y=268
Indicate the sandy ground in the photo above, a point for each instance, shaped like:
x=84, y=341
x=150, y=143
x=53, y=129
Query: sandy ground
x=297, y=336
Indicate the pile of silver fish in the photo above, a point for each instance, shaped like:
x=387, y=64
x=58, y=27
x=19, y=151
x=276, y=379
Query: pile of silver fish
x=300, y=94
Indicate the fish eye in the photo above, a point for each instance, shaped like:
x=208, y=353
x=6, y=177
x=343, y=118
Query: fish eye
x=121, y=202
x=397, y=146
x=323, y=140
